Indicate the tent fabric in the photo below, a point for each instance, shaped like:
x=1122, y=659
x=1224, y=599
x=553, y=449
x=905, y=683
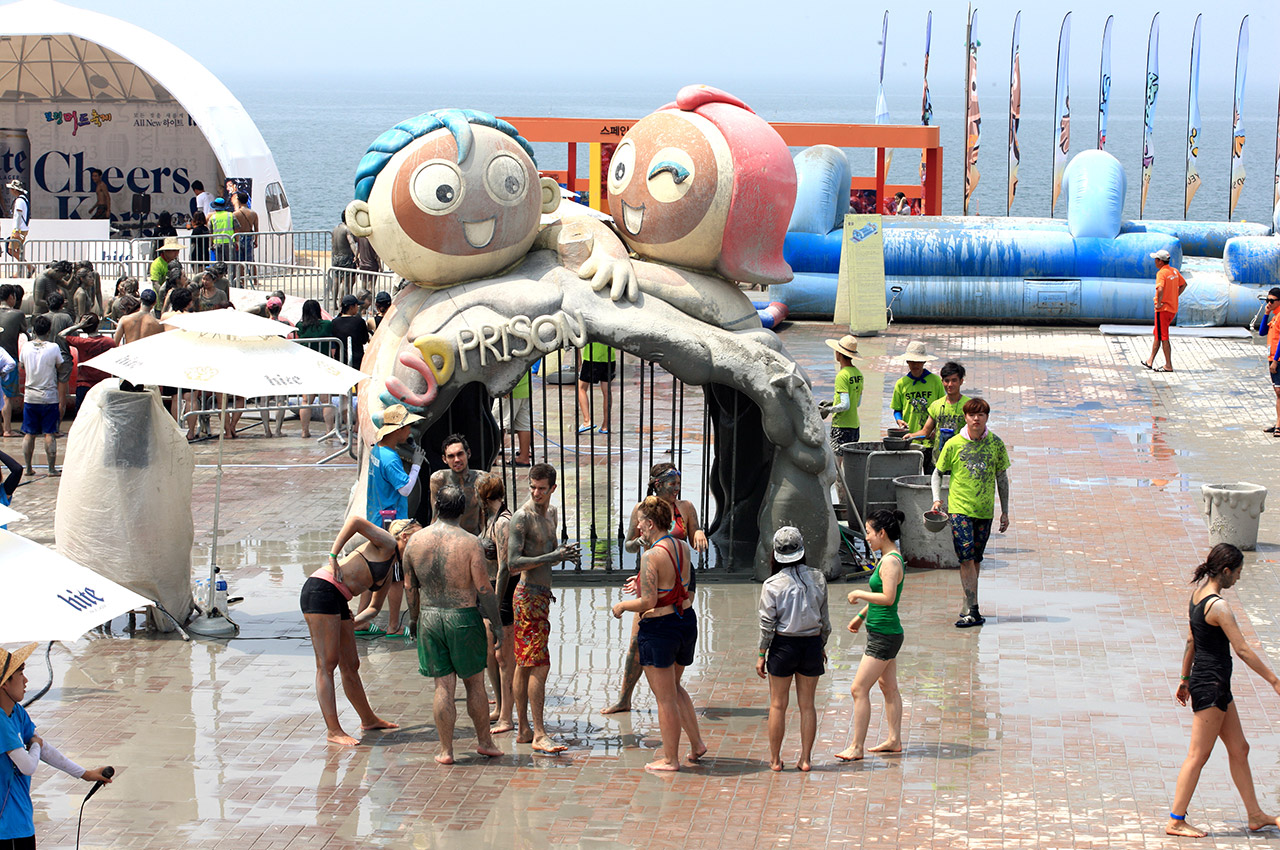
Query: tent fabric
x=51, y=52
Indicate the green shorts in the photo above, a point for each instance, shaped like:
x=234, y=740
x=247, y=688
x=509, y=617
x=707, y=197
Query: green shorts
x=451, y=640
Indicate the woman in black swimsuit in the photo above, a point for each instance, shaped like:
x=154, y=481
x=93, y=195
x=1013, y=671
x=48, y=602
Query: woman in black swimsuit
x=325, y=601
x=494, y=495
x=1206, y=681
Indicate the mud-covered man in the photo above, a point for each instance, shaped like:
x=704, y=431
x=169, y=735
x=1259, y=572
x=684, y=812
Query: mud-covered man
x=532, y=551
x=449, y=593
x=456, y=455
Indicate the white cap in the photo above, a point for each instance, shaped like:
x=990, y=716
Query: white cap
x=788, y=545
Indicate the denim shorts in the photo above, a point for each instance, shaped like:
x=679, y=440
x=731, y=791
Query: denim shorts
x=668, y=640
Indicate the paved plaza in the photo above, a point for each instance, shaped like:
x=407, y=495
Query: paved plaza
x=1053, y=726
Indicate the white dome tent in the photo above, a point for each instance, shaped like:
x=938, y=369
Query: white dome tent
x=82, y=90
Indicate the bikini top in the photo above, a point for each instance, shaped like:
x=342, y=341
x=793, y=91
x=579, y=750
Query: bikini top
x=379, y=571
x=673, y=596
x=678, y=531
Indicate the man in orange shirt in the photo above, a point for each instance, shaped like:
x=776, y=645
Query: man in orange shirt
x=1169, y=285
x=1270, y=328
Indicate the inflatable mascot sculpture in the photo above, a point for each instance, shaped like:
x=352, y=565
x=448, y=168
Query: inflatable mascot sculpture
x=703, y=189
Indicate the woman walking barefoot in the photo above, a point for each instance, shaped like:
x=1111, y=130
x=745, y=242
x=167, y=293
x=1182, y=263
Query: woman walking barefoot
x=884, y=637
x=668, y=630
x=494, y=495
x=664, y=482
x=325, y=599
x=794, y=627
x=1206, y=681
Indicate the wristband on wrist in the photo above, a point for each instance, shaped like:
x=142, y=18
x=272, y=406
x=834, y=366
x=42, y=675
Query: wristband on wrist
x=332, y=555
x=762, y=653
x=1186, y=678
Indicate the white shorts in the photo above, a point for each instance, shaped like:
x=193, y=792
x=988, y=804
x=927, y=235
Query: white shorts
x=519, y=414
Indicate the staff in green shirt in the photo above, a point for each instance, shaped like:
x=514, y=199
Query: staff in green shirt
x=977, y=460
x=914, y=392
x=843, y=408
x=946, y=415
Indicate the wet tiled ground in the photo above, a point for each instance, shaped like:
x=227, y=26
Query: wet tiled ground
x=1052, y=726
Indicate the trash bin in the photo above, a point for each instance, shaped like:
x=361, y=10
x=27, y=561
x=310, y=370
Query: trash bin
x=921, y=547
x=1232, y=511
x=869, y=471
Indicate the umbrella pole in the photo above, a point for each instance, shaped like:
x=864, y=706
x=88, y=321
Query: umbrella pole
x=212, y=622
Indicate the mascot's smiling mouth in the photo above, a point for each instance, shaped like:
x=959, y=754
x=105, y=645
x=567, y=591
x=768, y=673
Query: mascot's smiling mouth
x=632, y=218
x=479, y=233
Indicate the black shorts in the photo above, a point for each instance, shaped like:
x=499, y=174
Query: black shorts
x=506, y=602
x=28, y=843
x=790, y=654
x=668, y=640
x=1274, y=376
x=597, y=373
x=883, y=647
x=1210, y=694
x=320, y=597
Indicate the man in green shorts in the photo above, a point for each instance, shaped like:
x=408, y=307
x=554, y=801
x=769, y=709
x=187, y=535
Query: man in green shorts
x=977, y=460
x=946, y=415
x=445, y=570
x=913, y=394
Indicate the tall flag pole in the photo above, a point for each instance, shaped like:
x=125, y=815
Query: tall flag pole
x=1193, y=120
x=926, y=105
x=1275, y=208
x=1237, y=121
x=1015, y=112
x=882, y=106
x=1104, y=84
x=1062, y=115
x=1149, y=111
x=972, y=115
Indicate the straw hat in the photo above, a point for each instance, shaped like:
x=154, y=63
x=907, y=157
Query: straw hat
x=170, y=244
x=11, y=661
x=394, y=418
x=916, y=352
x=15, y=184
x=846, y=345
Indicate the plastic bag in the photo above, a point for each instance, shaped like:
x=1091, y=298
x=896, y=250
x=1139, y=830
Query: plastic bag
x=124, y=504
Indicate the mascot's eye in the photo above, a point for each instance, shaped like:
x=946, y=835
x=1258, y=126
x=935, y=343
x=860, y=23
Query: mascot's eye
x=506, y=179
x=622, y=167
x=672, y=173
x=436, y=187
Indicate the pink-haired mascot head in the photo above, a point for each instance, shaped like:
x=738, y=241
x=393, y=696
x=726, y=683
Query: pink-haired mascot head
x=707, y=184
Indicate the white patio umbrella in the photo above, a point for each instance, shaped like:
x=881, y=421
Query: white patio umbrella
x=8, y=515
x=49, y=597
x=226, y=351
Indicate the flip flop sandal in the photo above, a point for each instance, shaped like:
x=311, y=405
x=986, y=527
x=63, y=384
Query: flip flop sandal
x=371, y=632
x=1146, y=365
x=1270, y=430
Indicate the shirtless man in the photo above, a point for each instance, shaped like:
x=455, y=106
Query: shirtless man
x=445, y=570
x=102, y=195
x=86, y=289
x=141, y=322
x=531, y=553
x=456, y=455
x=246, y=224
x=55, y=278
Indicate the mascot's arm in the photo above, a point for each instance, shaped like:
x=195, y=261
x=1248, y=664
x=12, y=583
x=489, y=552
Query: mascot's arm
x=592, y=249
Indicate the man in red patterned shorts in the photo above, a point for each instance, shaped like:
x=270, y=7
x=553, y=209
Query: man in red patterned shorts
x=532, y=552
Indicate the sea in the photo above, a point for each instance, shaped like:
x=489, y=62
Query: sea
x=319, y=129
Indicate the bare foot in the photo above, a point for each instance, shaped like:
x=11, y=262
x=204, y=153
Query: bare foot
x=494, y=716
x=804, y=765
x=695, y=756
x=617, y=708
x=661, y=765
x=1183, y=829
x=444, y=758
x=502, y=728
x=1262, y=820
x=379, y=723
x=850, y=754
x=491, y=752
x=548, y=747
x=53, y=473
x=306, y=435
x=29, y=471
x=524, y=736
x=886, y=747
x=341, y=738
x=776, y=766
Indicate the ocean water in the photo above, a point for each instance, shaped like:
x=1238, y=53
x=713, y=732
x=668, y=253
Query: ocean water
x=318, y=131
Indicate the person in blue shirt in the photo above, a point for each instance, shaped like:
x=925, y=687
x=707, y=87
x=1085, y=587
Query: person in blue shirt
x=387, y=498
x=24, y=750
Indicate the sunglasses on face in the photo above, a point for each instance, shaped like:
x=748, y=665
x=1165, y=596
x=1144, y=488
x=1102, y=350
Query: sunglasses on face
x=1272, y=300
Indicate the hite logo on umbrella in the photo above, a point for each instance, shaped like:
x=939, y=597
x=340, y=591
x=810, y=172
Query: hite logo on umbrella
x=85, y=600
x=201, y=373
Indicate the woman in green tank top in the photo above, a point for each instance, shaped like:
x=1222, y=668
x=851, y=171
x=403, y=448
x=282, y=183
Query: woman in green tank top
x=884, y=637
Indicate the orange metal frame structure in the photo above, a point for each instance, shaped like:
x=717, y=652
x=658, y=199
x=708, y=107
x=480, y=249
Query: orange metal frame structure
x=596, y=132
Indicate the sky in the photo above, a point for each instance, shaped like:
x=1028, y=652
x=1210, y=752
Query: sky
x=819, y=45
